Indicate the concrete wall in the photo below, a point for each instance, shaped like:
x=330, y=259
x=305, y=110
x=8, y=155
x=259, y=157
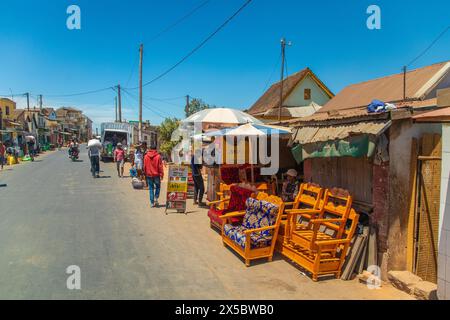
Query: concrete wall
x=401, y=134
x=296, y=98
x=444, y=219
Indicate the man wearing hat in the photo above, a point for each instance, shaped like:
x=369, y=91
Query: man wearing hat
x=119, y=159
x=290, y=186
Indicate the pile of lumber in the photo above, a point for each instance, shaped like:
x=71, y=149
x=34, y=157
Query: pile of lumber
x=363, y=253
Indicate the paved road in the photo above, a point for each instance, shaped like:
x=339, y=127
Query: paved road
x=54, y=215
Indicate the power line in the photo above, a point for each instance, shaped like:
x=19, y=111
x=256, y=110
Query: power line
x=143, y=104
x=272, y=73
x=173, y=25
x=197, y=47
x=430, y=46
x=79, y=93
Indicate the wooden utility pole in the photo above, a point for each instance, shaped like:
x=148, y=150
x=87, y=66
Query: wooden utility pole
x=115, y=103
x=28, y=100
x=119, y=97
x=283, y=57
x=141, y=56
x=188, y=98
x=404, y=83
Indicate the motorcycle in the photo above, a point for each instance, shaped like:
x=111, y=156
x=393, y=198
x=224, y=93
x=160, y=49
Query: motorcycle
x=74, y=154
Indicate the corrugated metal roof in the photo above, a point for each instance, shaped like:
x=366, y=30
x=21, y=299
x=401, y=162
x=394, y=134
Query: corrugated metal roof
x=271, y=98
x=439, y=115
x=312, y=134
x=388, y=89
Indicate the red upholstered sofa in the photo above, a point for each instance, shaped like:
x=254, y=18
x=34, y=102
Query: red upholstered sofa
x=236, y=202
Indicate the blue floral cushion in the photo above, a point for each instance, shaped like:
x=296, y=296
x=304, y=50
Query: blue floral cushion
x=259, y=214
x=257, y=239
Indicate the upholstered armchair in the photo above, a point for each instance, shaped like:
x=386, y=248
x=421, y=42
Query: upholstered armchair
x=255, y=237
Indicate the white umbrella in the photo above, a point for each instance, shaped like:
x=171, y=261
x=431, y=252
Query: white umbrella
x=250, y=130
x=221, y=116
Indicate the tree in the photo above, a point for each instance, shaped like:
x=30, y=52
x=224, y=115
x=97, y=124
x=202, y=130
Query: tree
x=168, y=126
x=196, y=105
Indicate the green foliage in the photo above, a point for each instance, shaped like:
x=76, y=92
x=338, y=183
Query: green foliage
x=196, y=105
x=167, y=127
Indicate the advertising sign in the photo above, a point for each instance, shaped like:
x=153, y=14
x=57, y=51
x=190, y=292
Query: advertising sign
x=177, y=188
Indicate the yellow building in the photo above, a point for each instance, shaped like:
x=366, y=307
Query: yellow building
x=8, y=126
x=7, y=107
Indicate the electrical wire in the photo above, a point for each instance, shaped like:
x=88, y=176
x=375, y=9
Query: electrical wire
x=79, y=93
x=173, y=25
x=430, y=46
x=198, y=47
x=152, y=109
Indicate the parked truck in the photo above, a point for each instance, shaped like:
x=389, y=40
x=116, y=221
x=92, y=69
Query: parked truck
x=113, y=133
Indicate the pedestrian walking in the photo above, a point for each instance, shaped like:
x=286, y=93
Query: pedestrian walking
x=2, y=154
x=144, y=149
x=154, y=173
x=139, y=162
x=94, y=148
x=119, y=159
x=199, y=185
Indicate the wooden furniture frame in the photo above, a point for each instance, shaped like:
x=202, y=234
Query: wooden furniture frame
x=313, y=248
x=249, y=253
x=306, y=203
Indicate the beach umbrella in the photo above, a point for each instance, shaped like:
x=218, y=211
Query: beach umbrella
x=251, y=130
x=221, y=116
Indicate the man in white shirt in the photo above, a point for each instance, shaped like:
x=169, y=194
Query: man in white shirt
x=95, y=147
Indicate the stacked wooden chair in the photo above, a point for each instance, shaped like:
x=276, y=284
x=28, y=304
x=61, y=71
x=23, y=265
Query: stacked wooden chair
x=307, y=200
x=256, y=236
x=320, y=245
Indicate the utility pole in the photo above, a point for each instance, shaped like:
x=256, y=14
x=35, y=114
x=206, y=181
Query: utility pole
x=283, y=58
x=141, y=57
x=28, y=100
x=119, y=97
x=115, y=100
x=404, y=83
x=188, y=98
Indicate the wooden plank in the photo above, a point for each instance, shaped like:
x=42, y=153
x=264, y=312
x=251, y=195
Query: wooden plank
x=372, y=254
x=354, y=256
x=359, y=268
x=410, y=247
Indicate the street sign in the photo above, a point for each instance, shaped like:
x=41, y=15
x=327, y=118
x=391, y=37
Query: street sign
x=177, y=188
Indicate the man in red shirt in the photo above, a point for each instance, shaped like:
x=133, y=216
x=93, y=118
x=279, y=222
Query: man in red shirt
x=154, y=173
x=119, y=159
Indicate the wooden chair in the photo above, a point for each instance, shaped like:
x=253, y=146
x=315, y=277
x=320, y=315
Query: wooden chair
x=223, y=195
x=306, y=204
x=321, y=247
x=234, y=202
x=255, y=238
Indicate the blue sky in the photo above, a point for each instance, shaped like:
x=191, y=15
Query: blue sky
x=40, y=55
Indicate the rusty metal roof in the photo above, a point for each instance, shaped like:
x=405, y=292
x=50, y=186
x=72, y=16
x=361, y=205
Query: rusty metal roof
x=271, y=98
x=312, y=134
x=389, y=89
x=439, y=115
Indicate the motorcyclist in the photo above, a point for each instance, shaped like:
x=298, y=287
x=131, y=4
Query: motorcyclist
x=73, y=147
